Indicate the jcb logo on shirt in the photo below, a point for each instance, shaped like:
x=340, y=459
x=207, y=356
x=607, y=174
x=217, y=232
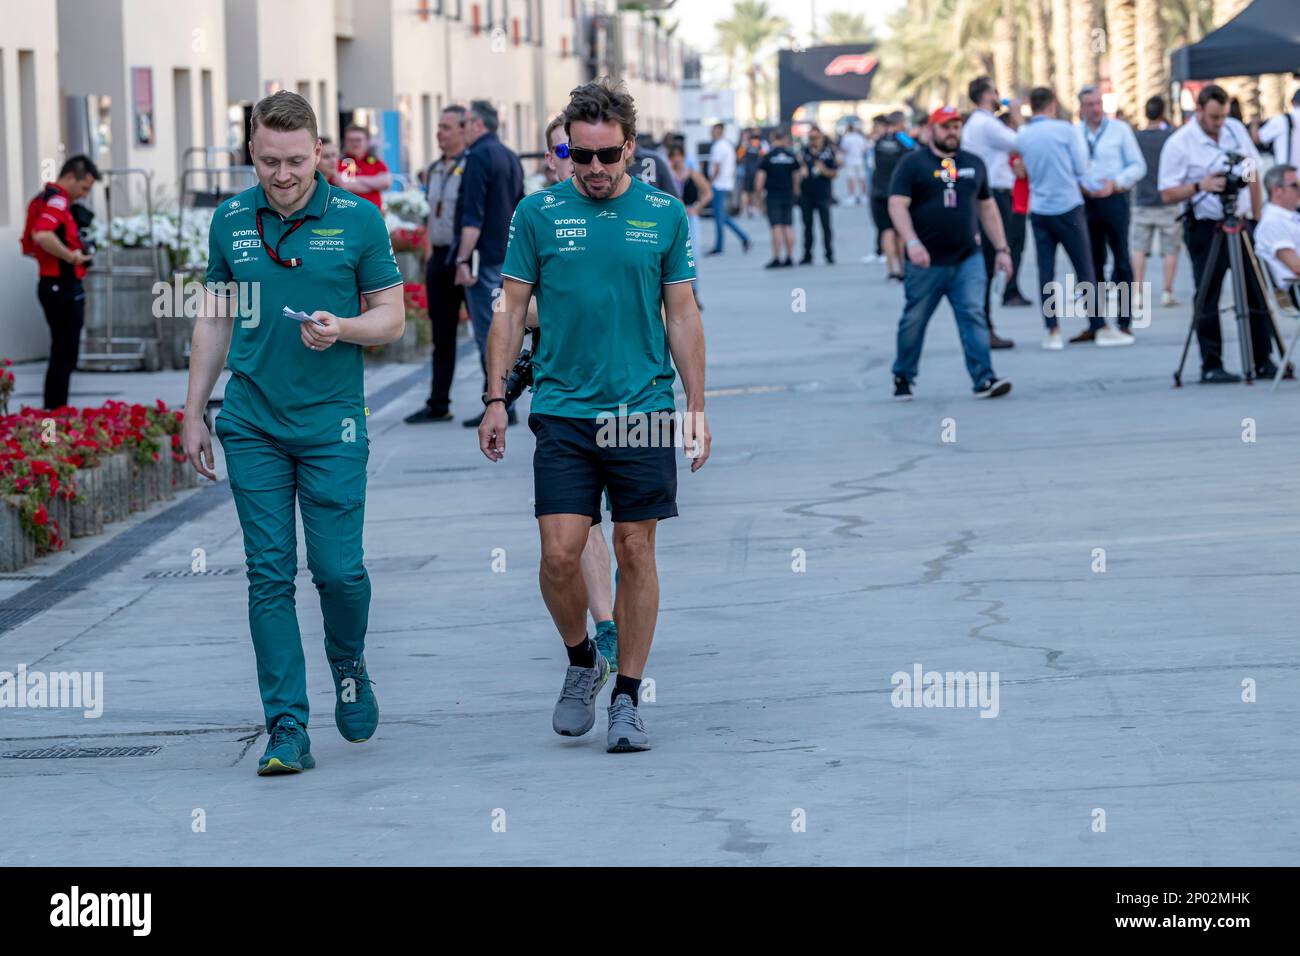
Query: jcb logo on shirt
x=570, y=233
x=246, y=244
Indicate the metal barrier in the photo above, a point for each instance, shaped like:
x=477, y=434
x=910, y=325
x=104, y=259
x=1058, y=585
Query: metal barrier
x=180, y=328
x=121, y=332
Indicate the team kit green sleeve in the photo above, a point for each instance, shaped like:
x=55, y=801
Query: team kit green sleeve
x=521, y=252
x=679, y=257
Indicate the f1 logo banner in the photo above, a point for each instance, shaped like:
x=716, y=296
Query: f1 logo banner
x=841, y=72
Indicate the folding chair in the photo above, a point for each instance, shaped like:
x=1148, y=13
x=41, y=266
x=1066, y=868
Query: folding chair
x=1288, y=302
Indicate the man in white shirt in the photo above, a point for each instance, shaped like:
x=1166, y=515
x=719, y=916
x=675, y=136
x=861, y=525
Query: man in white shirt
x=1115, y=165
x=722, y=176
x=1193, y=165
x=1277, y=237
x=993, y=142
x=854, y=146
x=1282, y=133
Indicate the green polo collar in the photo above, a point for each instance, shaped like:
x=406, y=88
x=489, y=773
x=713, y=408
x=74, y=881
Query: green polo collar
x=315, y=207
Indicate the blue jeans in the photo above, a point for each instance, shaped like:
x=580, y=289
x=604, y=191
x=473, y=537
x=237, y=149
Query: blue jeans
x=963, y=284
x=478, y=301
x=721, y=219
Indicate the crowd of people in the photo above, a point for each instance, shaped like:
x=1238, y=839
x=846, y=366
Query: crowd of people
x=1107, y=195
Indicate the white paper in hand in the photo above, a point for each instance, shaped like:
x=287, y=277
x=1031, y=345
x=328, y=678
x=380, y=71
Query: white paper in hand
x=299, y=316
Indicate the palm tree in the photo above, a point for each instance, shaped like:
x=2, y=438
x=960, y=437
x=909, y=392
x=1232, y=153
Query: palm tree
x=1149, y=37
x=1084, y=20
x=1244, y=88
x=1040, y=43
x=845, y=27
x=1062, y=47
x=1186, y=21
x=936, y=55
x=1004, y=48
x=751, y=26
x=1121, y=47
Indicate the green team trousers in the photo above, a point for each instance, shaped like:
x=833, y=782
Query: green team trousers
x=329, y=481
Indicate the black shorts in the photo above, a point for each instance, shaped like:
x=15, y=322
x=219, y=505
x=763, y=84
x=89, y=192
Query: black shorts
x=571, y=468
x=880, y=213
x=780, y=209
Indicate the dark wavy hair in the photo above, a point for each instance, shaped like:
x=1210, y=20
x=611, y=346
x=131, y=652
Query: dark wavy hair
x=602, y=101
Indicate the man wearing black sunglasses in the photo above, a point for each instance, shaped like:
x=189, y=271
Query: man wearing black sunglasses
x=607, y=255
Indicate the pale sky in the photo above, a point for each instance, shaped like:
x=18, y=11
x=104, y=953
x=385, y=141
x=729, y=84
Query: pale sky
x=698, y=16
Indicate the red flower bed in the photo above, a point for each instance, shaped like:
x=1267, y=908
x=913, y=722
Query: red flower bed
x=41, y=449
x=408, y=240
x=416, y=296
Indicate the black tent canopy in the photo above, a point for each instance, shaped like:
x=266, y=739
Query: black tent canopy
x=1263, y=38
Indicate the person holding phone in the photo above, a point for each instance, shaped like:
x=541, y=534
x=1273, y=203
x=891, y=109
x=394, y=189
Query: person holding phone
x=293, y=421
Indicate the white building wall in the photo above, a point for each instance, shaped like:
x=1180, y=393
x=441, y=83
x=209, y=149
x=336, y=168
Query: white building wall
x=29, y=154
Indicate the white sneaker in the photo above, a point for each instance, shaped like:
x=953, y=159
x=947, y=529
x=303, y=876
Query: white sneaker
x=1053, y=342
x=1107, y=337
x=1167, y=299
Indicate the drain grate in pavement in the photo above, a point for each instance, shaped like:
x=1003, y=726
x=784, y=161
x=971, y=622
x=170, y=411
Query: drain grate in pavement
x=64, y=753
x=179, y=573
x=373, y=565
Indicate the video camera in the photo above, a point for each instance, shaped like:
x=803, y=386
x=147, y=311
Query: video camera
x=521, y=374
x=1234, y=182
x=84, y=217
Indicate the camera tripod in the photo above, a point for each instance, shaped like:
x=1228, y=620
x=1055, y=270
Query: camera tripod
x=1241, y=249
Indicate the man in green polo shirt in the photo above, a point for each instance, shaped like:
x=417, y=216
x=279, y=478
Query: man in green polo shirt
x=610, y=261
x=293, y=422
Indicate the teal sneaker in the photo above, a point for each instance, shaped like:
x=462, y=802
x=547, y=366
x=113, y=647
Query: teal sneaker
x=356, y=711
x=607, y=643
x=288, y=750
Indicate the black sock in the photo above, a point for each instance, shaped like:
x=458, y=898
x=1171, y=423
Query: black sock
x=584, y=655
x=631, y=686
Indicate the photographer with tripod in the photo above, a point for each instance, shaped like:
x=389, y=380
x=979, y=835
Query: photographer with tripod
x=1211, y=165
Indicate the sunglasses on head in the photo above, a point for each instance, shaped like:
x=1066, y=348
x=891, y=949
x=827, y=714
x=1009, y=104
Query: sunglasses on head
x=583, y=157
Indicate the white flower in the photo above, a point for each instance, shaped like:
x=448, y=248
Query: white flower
x=408, y=205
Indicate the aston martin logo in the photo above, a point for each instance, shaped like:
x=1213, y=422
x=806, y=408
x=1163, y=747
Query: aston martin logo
x=641, y=223
x=326, y=232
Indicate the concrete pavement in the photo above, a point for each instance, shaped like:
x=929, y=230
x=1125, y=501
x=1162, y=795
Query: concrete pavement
x=834, y=539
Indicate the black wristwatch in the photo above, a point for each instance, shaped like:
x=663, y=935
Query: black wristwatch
x=488, y=401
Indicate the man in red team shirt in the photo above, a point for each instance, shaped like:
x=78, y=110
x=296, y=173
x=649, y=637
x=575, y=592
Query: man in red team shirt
x=360, y=171
x=59, y=253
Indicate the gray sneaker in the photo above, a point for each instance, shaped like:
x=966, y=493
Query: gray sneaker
x=575, y=711
x=626, y=730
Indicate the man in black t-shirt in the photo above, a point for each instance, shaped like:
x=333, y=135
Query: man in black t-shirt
x=778, y=176
x=938, y=200
x=890, y=148
x=819, y=168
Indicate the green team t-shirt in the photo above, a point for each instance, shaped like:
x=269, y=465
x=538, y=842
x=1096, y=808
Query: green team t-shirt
x=598, y=268
x=277, y=384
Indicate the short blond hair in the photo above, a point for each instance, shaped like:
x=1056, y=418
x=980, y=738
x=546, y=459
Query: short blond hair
x=551, y=127
x=285, y=112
